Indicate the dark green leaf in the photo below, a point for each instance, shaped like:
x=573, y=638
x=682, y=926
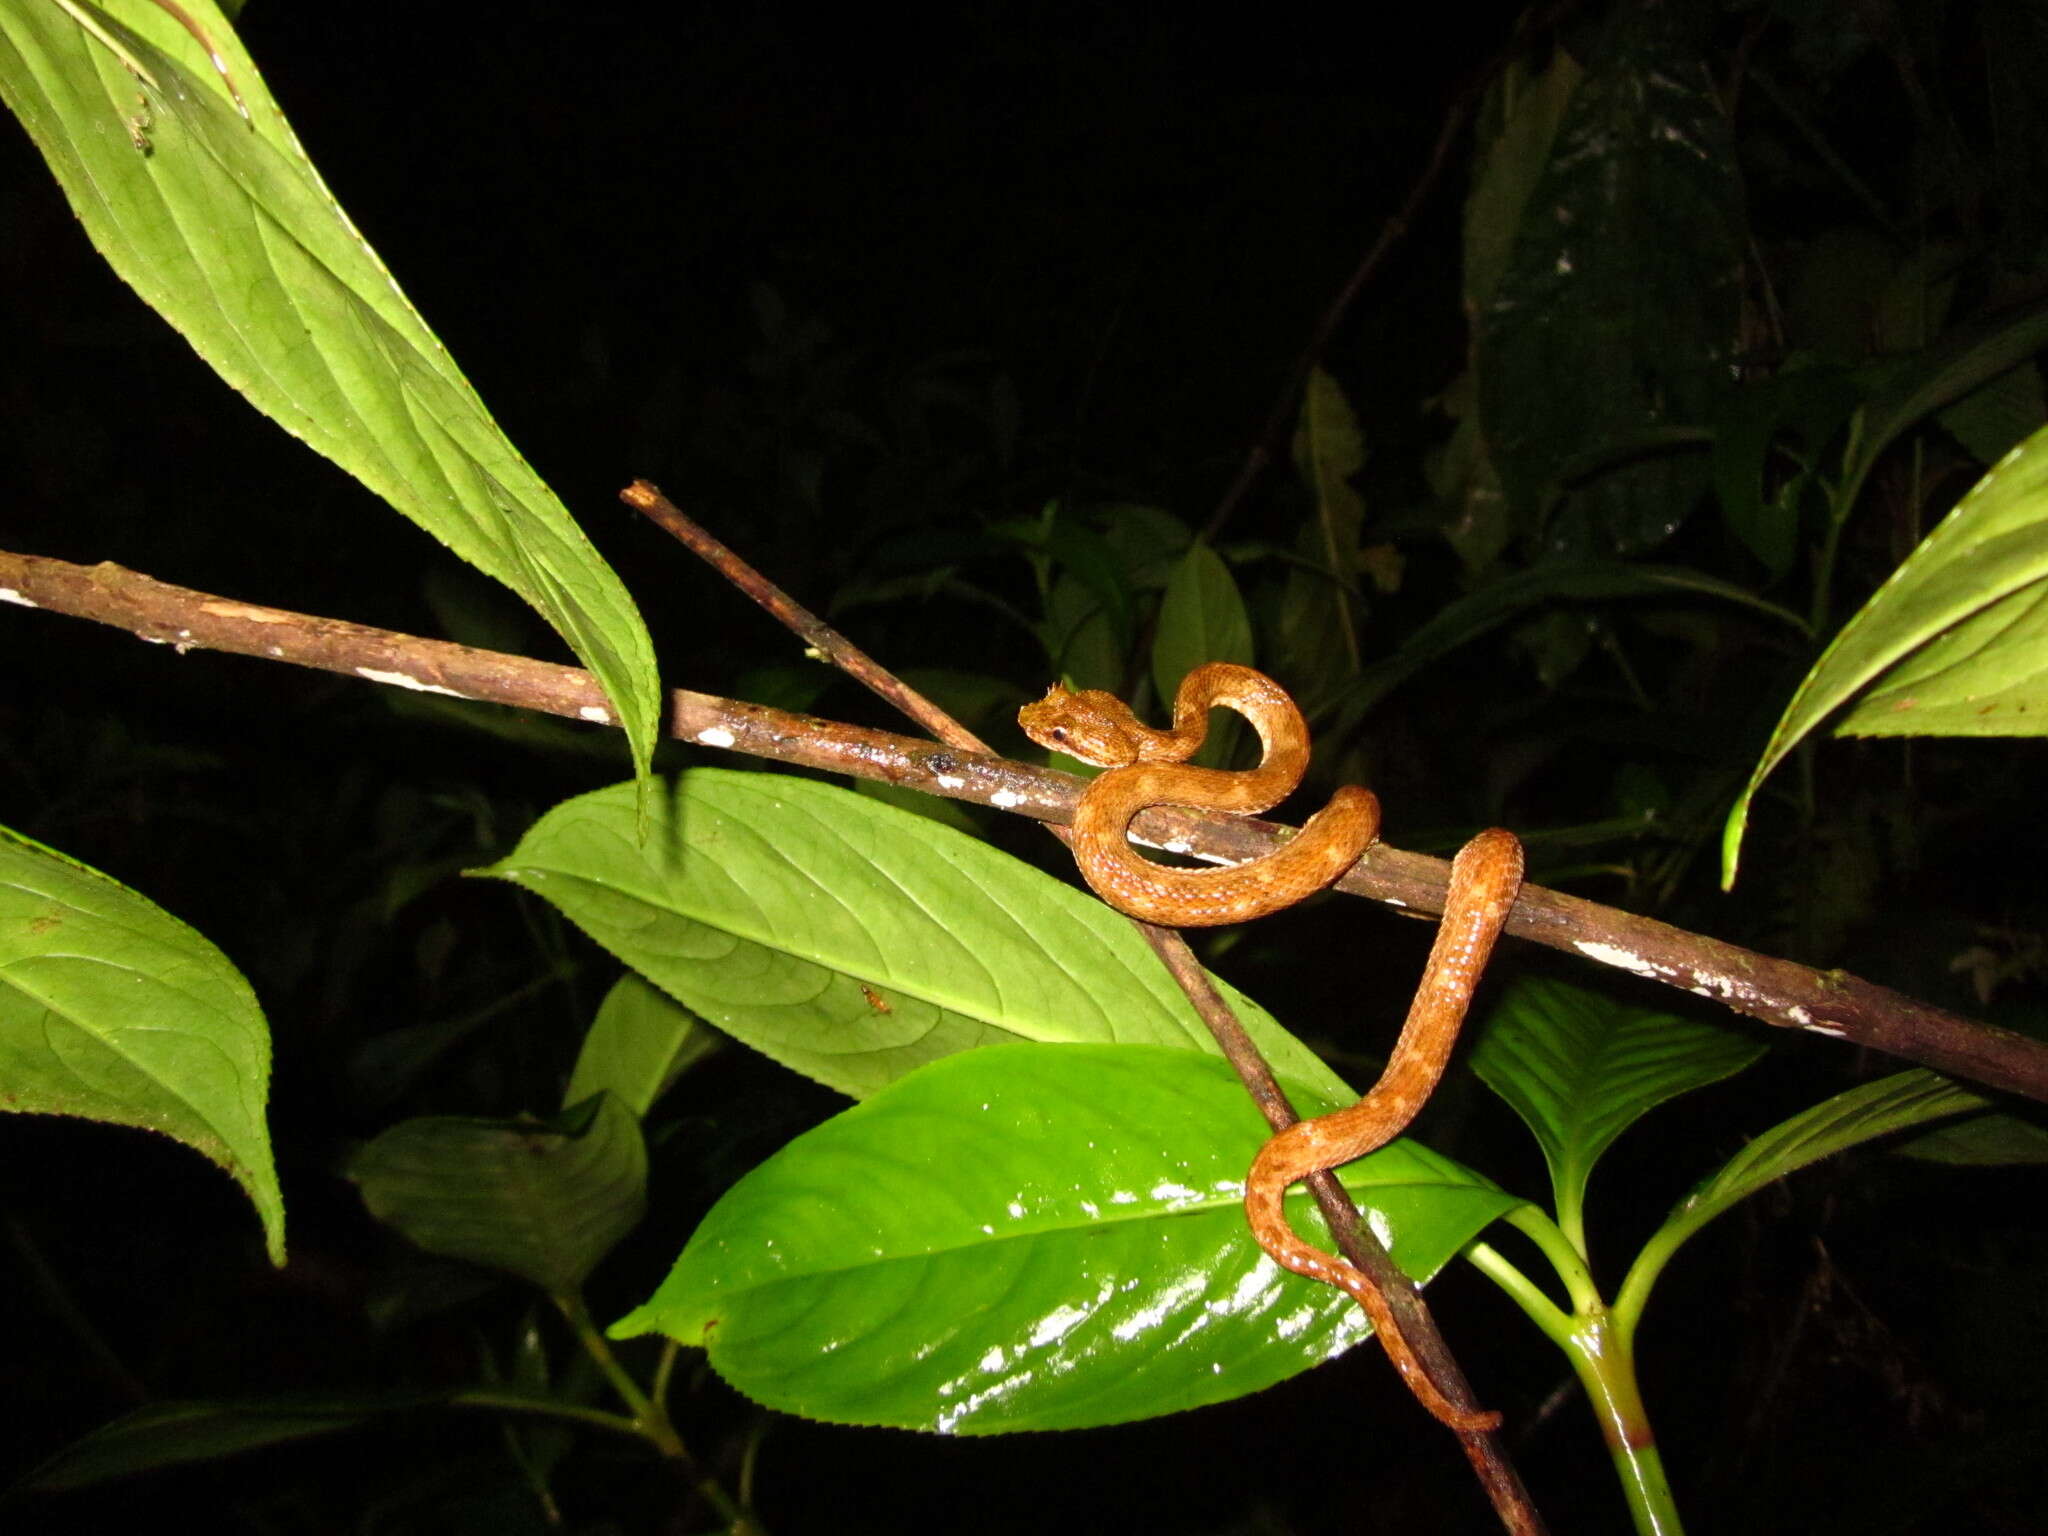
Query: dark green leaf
x=1580, y=1069
x=1890, y=1104
x=176, y=1434
x=1032, y=1237
x=1809, y=405
x=1617, y=313
x=1569, y=581
x=538, y=1202
x=1202, y=619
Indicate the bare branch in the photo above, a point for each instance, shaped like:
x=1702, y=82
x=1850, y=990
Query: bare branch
x=1776, y=992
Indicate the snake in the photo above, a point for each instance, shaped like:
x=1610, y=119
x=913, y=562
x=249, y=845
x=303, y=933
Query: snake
x=1147, y=767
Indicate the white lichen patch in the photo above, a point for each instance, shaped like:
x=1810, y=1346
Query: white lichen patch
x=716, y=736
x=1615, y=955
x=1006, y=799
x=9, y=595
x=596, y=714
x=406, y=680
x=951, y=781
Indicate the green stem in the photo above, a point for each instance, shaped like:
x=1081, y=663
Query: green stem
x=1598, y=1344
x=1522, y=1291
x=1566, y=1252
x=650, y=1417
x=1606, y=1368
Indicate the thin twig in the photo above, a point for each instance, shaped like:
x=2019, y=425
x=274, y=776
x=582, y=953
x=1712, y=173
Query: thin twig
x=1166, y=943
x=1273, y=435
x=1359, y=1244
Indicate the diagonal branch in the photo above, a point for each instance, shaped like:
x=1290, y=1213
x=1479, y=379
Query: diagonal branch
x=1359, y=1244
x=1773, y=991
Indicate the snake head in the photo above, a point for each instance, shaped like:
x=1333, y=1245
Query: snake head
x=1091, y=725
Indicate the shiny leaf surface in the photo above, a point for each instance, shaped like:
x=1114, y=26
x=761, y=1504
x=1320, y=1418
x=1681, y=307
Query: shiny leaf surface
x=111, y=1009
x=852, y=941
x=1032, y=1237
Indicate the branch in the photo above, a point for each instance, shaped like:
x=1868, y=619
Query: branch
x=1773, y=991
x=1357, y=1242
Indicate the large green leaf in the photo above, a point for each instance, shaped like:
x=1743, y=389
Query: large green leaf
x=1615, y=316
x=111, y=1009
x=853, y=941
x=1032, y=1237
x=538, y=1201
x=1956, y=641
x=1895, y=1103
x=224, y=228
x=1580, y=1068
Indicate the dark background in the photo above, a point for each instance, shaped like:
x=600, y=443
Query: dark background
x=1113, y=229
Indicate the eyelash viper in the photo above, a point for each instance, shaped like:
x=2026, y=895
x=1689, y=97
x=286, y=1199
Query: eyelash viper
x=1148, y=767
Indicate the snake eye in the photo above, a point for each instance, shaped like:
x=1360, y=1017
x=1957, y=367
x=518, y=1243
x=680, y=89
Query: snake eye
x=1059, y=733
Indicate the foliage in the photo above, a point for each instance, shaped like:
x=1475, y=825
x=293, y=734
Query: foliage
x=1600, y=569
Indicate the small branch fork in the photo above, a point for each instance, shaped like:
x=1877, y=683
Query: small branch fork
x=1484, y=1449
x=1772, y=991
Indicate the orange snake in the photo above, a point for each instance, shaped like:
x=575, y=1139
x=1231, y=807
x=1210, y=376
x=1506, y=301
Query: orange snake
x=1149, y=767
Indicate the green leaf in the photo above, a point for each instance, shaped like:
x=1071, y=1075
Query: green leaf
x=641, y=1041
x=1528, y=108
x=224, y=228
x=175, y=1434
x=1981, y=1141
x=1318, y=607
x=1955, y=640
x=1944, y=374
x=1807, y=404
x=1201, y=619
x=1569, y=581
x=1895, y=1103
x=539, y=1202
x=1615, y=317
x=111, y=1009
x=852, y=941
x=1580, y=1069
x=1032, y=1238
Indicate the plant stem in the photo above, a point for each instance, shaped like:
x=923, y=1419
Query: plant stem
x=651, y=1420
x=1607, y=1369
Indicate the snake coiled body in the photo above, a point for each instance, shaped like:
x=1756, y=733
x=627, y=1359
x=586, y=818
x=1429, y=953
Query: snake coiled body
x=1149, y=767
